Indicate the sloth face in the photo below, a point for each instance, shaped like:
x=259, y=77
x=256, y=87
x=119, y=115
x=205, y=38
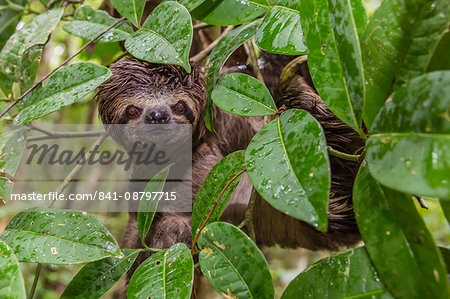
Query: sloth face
x=140, y=93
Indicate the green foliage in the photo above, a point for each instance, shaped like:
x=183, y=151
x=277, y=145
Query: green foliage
x=88, y=23
x=42, y=235
x=9, y=17
x=165, y=37
x=346, y=275
x=147, y=208
x=241, y=94
x=132, y=10
x=293, y=177
x=166, y=274
x=11, y=280
x=396, y=238
x=63, y=88
x=217, y=179
x=95, y=278
x=223, y=248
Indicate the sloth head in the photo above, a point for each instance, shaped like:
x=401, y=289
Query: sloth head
x=140, y=92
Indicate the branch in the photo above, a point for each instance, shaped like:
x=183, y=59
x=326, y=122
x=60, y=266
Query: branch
x=201, y=26
x=58, y=67
x=205, y=52
x=254, y=60
x=213, y=208
x=59, y=135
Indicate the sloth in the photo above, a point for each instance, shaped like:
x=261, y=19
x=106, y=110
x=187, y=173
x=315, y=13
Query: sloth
x=140, y=92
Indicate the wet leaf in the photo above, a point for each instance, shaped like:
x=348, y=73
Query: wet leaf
x=242, y=94
x=96, y=278
x=445, y=205
x=130, y=9
x=9, y=18
x=191, y=4
x=87, y=23
x=147, y=208
x=63, y=88
x=229, y=12
x=11, y=279
x=411, y=138
x=334, y=56
x=287, y=162
x=51, y=236
x=29, y=64
x=281, y=30
x=219, y=55
x=6, y=187
x=346, y=275
x=233, y=264
x=398, y=242
x=166, y=274
x=214, y=183
x=34, y=33
x=165, y=37
x=398, y=45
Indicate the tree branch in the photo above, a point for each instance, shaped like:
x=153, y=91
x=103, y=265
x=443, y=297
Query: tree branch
x=58, y=67
x=205, y=52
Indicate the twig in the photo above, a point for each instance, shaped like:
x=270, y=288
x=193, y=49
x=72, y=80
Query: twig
x=333, y=152
x=77, y=168
x=60, y=135
x=205, y=52
x=212, y=209
x=280, y=110
x=35, y=281
x=249, y=215
x=254, y=60
x=58, y=67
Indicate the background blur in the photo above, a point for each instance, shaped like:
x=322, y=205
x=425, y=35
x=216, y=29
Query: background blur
x=284, y=264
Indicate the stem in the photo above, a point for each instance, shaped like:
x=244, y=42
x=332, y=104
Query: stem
x=333, y=152
x=249, y=215
x=201, y=26
x=213, y=208
x=148, y=249
x=77, y=168
x=58, y=67
x=35, y=281
x=291, y=69
x=254, y=60
x=59, y=135
x=205, y=52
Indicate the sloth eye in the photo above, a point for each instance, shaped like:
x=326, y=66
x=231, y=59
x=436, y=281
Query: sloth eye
x=179, y=107
x=132, y=111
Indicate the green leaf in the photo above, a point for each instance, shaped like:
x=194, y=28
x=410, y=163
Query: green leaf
x=287, y=162
x=229, y=12
x=166, y=274
x=147, y=208
x=398, y=45
x=88, y=23
x=244, y=95
x=96, y=278
x=216, y=180
x=34, y=33
x=281, y=30
x=6, y=187
x=9, y=18
x=51, y=236
x=219, y=55
x=334, y=56
x=12, y=146
x=11, y=279
x=29, y=64
x=130, y=9
x=411, y=138
x=346, y=275
x=165, y=37
x=440, y=60
x=233, y=264
x=191, y=4
x=63, y=88
x=398, y=242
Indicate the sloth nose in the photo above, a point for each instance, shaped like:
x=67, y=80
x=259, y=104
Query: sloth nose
x=157, y=116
